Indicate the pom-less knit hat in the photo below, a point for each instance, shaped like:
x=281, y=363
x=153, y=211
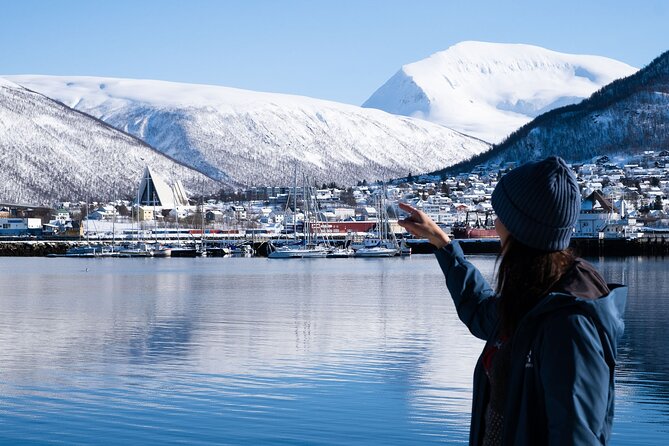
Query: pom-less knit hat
x=539, y=203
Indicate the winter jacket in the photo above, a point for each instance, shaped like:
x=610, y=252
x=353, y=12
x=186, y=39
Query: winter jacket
x=561, y=385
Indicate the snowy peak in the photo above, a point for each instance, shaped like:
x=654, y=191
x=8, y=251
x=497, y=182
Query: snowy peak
x=488, y=90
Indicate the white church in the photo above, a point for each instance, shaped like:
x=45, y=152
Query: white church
x=154, y=195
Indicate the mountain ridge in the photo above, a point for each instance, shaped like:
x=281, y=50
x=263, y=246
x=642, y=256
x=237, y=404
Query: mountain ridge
x=243, y=137
x=629, y=115
x=51, y=153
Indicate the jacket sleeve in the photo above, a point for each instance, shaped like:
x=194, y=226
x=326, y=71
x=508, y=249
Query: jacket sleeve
x=576, y=381
x=473, y=297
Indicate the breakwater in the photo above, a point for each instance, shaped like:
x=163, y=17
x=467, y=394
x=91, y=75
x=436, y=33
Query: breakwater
x=34, y=248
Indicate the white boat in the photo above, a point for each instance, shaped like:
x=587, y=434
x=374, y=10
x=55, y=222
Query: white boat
x=383, y=242
x=376, y=251
x=299, y=252
x=307, y=248
x=87, y=251
x=162, y=251
x=136, y=250
x=337, y=253
x=241, y=250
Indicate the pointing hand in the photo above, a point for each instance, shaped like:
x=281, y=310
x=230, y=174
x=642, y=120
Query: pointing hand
x=422, y=226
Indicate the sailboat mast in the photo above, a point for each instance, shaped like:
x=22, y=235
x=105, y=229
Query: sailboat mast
x=295, y=204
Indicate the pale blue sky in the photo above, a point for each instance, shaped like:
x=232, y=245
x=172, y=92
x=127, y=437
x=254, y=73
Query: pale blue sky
x=339, y=50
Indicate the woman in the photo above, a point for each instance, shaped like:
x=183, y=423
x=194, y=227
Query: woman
x=552, y=324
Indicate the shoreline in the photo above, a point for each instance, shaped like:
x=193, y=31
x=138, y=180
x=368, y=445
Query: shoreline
x=657, y=245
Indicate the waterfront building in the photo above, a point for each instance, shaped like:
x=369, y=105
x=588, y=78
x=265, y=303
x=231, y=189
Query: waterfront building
x=15, y=227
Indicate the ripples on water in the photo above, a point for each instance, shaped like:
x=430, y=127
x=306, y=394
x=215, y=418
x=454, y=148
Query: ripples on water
x=254, y=351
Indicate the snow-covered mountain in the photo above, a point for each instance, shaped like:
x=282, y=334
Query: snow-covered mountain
x=628, y=116
x=245, y=137
x=488, y=90
x=50, y=152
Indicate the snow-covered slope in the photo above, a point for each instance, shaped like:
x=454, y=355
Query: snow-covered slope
x=247, y=137
x=488, y=90
x=627, y=117
x=50, y=152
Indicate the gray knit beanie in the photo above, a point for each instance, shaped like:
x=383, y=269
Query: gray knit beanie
x=539, y=203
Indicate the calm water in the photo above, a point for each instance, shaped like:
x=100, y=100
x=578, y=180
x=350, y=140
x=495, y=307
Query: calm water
x=256, y=351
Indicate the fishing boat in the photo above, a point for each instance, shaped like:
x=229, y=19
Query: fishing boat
x=481, y=225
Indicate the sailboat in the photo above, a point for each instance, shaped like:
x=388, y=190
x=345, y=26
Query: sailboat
x=307, y=248
x=384, y=243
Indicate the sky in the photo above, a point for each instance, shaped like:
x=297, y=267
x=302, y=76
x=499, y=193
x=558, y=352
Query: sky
x=340, y=50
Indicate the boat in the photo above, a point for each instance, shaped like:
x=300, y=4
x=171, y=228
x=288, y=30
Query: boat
x=475, y=227
x=306, y=248
x=162, y=251
x=242, y=250
x=299, y=252
x=405, y=249
x=376, y=251
x=183, y=250
x=88, y=251
x=340, y=253
x=136, y=250
x=217, y=250
x=383, y=242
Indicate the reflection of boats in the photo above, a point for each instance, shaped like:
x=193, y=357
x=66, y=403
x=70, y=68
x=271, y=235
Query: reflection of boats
x=476, y=227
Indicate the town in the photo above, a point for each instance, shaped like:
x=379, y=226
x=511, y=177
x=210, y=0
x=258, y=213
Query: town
x=623, y=199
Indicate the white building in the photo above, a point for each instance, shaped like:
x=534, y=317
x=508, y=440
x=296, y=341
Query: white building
x=154, y=192
x=20, y=226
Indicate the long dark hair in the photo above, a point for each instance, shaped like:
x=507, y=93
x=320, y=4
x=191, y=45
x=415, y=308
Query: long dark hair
x=524, y=276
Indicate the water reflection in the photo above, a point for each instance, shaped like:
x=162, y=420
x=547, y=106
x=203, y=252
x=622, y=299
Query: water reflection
x=248, y=351
x=643, y=369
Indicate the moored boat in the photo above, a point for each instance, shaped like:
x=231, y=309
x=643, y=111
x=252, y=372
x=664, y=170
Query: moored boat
x=376, y=251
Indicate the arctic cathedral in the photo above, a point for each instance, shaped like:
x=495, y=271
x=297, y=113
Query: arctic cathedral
x=154, y=194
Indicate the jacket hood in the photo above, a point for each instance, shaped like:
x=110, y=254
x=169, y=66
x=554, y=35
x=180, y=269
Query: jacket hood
x=585, y=291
